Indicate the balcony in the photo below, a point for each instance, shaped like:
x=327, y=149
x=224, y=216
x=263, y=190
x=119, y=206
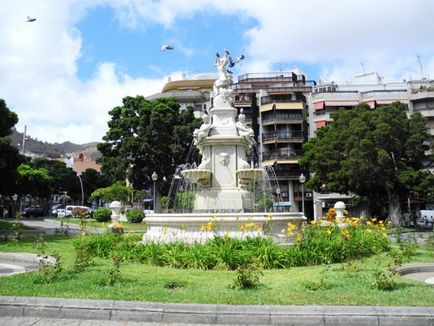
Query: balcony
x=288, y=174
x=284, y=154
x=290, y=88
x=281, y=118
x=283, y=136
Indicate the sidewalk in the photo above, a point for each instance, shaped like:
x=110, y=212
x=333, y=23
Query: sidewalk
x=100, y=311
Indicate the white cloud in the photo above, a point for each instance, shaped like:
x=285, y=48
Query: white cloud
x=336, y=35
x=38, y=61
x=38, y=75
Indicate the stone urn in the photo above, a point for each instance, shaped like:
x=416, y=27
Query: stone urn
x=340, y=208
x=116, y=207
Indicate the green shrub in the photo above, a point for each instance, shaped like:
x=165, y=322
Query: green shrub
x=135, y=215
x=102, y=214
x=384, y=280
x=247, y=277
x=101, y=245
x=319, y=245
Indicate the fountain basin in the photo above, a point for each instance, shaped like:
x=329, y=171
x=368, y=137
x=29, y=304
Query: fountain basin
x=199, y=176
x=191, y=228
x=418, y=271
x=248, y=176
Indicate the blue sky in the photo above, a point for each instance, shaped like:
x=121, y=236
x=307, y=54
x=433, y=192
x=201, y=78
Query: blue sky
x=62, y=73
x=137, y=52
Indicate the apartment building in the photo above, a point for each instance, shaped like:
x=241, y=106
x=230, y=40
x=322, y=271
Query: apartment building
x=194, y=92
x=369, y=88
x=284, y=110
x=277, y=106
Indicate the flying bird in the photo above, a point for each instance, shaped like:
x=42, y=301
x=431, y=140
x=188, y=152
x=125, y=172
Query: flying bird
x=166, y=47
x=30, y=19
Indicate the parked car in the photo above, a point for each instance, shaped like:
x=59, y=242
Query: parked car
x=426, y=219
x=60, y=212
x=33, y=211
x=55, y=210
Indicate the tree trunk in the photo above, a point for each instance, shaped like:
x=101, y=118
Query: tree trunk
x=394, y=208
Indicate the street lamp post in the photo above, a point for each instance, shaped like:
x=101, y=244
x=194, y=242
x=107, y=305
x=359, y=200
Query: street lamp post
x=154, y=177
x=302, y=180
x=82, y=190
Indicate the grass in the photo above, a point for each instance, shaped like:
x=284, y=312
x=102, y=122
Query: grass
x=336, y=284
x=94, y=224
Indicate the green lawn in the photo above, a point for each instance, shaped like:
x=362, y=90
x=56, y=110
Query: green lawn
x=286, y=286
x=94, y=224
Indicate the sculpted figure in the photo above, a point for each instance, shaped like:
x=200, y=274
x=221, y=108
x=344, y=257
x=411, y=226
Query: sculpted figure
x=203, y=131
x=243, y=130
x=225, y=80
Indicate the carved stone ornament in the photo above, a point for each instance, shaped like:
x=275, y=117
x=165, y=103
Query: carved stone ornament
x=224, y=159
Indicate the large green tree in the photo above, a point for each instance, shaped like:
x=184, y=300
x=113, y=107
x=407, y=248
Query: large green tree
x=92, y=180
x=10, y=159
x=146, y=136
x=62, y=178
x=377, y=154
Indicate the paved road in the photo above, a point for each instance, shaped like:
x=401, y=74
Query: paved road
x=48, y=227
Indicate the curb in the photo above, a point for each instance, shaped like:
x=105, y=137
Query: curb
x=153, y=312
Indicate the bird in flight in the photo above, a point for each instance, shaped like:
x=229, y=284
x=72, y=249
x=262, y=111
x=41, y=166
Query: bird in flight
x=30, y=19
x=166, y=47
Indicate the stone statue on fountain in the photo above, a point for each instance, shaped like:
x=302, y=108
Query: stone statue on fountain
x=203, y=131
x=222, y=86
x=244, y=130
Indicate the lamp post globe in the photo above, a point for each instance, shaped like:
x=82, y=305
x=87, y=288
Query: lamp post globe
x=154, y=178
x=302, y=180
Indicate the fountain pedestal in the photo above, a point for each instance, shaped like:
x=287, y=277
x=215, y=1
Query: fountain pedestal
x=223, y=178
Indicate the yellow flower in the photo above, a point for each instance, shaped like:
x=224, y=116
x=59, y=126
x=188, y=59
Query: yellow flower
x=209, y=226
x=329, y=232
x=368, y=223
x=345, y=233
x=203, y=227
x=299, y=237
x=369, y=231
x=213, y=216
x=283, y=231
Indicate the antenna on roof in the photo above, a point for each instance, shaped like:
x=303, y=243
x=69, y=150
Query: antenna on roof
x=420, y=66
x=363, y=67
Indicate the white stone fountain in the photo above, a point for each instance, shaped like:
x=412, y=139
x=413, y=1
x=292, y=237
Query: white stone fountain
x=223, y=204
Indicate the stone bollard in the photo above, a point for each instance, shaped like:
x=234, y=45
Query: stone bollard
x=339, y=208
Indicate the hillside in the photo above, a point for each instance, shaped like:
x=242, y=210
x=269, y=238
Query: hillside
x=40, y=148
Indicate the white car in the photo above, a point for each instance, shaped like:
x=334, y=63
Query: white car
x=60, y=212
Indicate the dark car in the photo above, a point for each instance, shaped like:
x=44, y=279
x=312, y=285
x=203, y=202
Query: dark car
x=33, y=211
